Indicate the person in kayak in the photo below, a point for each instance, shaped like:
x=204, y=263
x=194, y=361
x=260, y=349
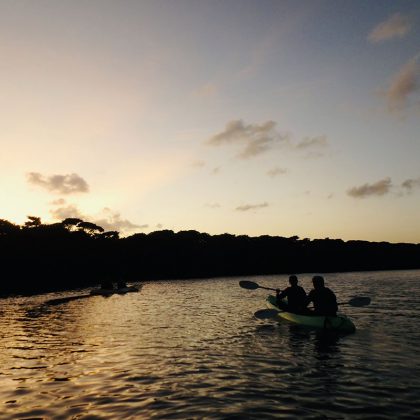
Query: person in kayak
x=107, y=285
x=296, y=297
x=323, y=298
x=121, y=285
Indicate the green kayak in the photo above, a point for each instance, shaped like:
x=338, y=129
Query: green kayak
x=335, y=323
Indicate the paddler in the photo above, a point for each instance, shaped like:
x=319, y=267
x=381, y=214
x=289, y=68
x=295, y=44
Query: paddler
x=107, y=285
x=323, y=298
x=121, y=284
x=296, y=297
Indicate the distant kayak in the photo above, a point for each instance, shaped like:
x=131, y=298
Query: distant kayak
x=95, y=292
x=109, y=292
x=127, y=290
x=335, y=323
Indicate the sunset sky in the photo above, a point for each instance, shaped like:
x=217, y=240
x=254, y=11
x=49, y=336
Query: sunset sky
x=246, y=117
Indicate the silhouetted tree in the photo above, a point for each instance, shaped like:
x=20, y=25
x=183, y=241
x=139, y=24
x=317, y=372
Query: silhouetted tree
x=112, y=234
x=71, y=223
x=90, y=228
x=73, y=253
x=7, y=227
x=33, y=222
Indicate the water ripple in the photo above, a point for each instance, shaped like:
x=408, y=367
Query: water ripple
x=192, y=349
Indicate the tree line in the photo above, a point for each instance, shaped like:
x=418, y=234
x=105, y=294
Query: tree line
x=37, y=257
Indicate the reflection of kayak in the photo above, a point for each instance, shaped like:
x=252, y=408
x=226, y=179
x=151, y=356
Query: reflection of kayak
x=95, y=292
x=124, y=290
x=109, y=292
x=335, y=323
x=102, y=292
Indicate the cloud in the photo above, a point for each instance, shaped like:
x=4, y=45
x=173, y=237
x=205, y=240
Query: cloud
x=207, y=90
x=198, y=163
x=60, y=184
x=379, y=188
x=253, y=138
x=276, y=171
x=108, y=219
x=111, y=220
x=313, y=142
x=403, y=84
x=58, y=202
x=397, y=26
x=410, y=184
x=213, y=205
x=65, y=212
x=247, y=207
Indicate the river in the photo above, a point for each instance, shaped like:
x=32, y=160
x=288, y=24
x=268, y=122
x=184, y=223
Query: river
x=193, y=350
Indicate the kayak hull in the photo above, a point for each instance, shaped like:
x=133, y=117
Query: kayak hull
x=109, y=292
x=332, y=323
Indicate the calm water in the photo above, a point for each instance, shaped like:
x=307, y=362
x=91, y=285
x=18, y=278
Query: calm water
x=192, y=349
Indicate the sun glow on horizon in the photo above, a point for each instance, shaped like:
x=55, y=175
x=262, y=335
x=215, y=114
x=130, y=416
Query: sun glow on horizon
x=239, y=119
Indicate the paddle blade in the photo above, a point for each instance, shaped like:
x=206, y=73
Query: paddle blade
x=250, y=285
x=266, y=314
x=359, y=301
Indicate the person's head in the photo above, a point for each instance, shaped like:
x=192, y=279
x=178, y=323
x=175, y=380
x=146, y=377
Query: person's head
x=293, y=280
x=318, y=282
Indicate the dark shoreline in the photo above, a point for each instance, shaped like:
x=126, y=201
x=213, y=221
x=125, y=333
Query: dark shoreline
x=38, y=258
x=145, y=281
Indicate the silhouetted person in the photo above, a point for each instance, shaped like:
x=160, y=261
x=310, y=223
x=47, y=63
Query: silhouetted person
x=323, y=298
x=296, y=297
x=106, y=285
x=121, y=285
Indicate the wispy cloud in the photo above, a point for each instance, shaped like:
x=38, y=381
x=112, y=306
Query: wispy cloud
x=64, y=212
x=396, y=26
x=198, y=163
x=213, y=205
x=59, y=184
x=403, y=84
x=247, y=207
x=254, y=139
x=379, y=188
x=319, y=142
x=409, y=184
x=58, y=202
x=108, y=219
x=276, y=172
x=207, y=90
x=112, y=220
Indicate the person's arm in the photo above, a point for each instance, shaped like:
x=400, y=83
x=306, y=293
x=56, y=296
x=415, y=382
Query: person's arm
x=335, y=301
x=309, y=298
x=281, y=294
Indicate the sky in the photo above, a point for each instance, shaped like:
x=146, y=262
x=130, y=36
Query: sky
x=244, y=117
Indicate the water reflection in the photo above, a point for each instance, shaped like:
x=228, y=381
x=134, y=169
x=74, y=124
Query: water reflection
x=193, y=349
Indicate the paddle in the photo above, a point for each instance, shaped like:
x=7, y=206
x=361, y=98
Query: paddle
x=266, y=313
x=250, y=285
x=357, y=301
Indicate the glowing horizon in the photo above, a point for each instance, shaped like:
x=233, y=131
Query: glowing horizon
x=280, y=119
